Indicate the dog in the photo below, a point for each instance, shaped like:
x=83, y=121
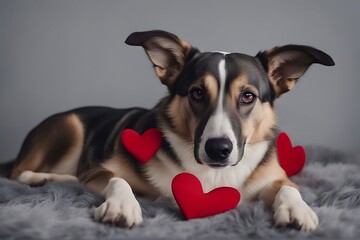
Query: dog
x=217, y=122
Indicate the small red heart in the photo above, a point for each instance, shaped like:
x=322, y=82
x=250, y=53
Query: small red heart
x=142, y=147
x=291, y=159
x=194, y=203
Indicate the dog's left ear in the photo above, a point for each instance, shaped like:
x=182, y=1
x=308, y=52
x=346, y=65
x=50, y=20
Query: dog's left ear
x=286, y=64
x=167, y=52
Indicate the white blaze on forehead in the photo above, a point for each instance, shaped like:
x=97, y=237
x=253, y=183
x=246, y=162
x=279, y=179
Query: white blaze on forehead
x=219, y=125
x=222, y=73
x=222, y=52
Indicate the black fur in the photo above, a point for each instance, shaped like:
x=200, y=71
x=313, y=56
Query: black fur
x=183, y=65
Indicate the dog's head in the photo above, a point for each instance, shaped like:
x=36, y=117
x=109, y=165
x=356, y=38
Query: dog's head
x=219, y=102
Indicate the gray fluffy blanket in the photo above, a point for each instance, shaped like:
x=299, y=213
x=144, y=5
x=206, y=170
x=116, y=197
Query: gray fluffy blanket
x=330, y=183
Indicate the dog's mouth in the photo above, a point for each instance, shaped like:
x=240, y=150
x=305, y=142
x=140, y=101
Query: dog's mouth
x=205, y=160
x=217, y=165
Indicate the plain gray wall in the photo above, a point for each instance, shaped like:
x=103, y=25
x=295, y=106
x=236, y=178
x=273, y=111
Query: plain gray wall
x=58, y=55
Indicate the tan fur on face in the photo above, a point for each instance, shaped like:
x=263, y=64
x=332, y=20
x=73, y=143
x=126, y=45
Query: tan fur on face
x=181, y=116
x=236, y=85
x=180, y=111
x=257, y=126
x=211, y=87
x=263, y=120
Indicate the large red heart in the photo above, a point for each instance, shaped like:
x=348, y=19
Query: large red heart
x=142, y=147
x=194, y=203
x=291, y=159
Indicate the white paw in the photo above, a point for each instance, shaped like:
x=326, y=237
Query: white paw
x=121, y=207
x=121, y=213
x=291, y=210
x=32, y=178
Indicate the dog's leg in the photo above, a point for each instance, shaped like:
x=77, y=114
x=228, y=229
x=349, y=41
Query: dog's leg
x=36, y=179
x=54, y=146
x=270, y=184
x=120, y=207
x=288, y=205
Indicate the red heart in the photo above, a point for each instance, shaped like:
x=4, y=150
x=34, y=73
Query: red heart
x=194, y=203
x=291, y=159
x=142, y=147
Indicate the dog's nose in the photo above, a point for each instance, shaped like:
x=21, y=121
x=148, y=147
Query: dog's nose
x=218, y=149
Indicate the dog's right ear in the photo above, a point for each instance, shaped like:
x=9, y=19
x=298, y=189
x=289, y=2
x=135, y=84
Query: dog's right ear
x=167, y=52
x=286, y=64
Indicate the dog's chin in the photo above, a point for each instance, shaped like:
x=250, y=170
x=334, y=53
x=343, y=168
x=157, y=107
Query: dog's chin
x=231, y=161
x=205, y=160
x=219, y=165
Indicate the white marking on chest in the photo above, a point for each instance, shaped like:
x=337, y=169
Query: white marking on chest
x=162, y=172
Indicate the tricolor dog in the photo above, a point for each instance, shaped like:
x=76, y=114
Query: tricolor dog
x=217, y=122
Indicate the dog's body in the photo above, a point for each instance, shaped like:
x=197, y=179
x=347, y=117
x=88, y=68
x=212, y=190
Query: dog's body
x=218, y=123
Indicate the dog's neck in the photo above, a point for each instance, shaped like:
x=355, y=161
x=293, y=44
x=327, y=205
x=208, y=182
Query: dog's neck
x=232, y=176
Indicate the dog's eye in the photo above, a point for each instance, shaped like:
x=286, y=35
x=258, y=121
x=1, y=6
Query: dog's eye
x=247, y=98
x=197, y=94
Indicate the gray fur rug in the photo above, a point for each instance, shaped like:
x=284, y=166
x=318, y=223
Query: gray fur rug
x=330, y=183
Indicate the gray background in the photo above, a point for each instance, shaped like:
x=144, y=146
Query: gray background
x=58, y=55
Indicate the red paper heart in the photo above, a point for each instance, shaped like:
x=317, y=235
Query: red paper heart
x=194, y=203
x=291, y=159
x=142, y=147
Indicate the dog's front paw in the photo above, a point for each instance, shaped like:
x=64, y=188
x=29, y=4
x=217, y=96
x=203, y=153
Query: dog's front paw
x=121, y=213
x=291, y=210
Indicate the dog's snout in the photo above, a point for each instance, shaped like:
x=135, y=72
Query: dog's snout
x=218, y=149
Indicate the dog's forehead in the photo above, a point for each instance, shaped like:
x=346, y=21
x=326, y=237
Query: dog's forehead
x=235, y=65
x=251, y=70
x=199, y=66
